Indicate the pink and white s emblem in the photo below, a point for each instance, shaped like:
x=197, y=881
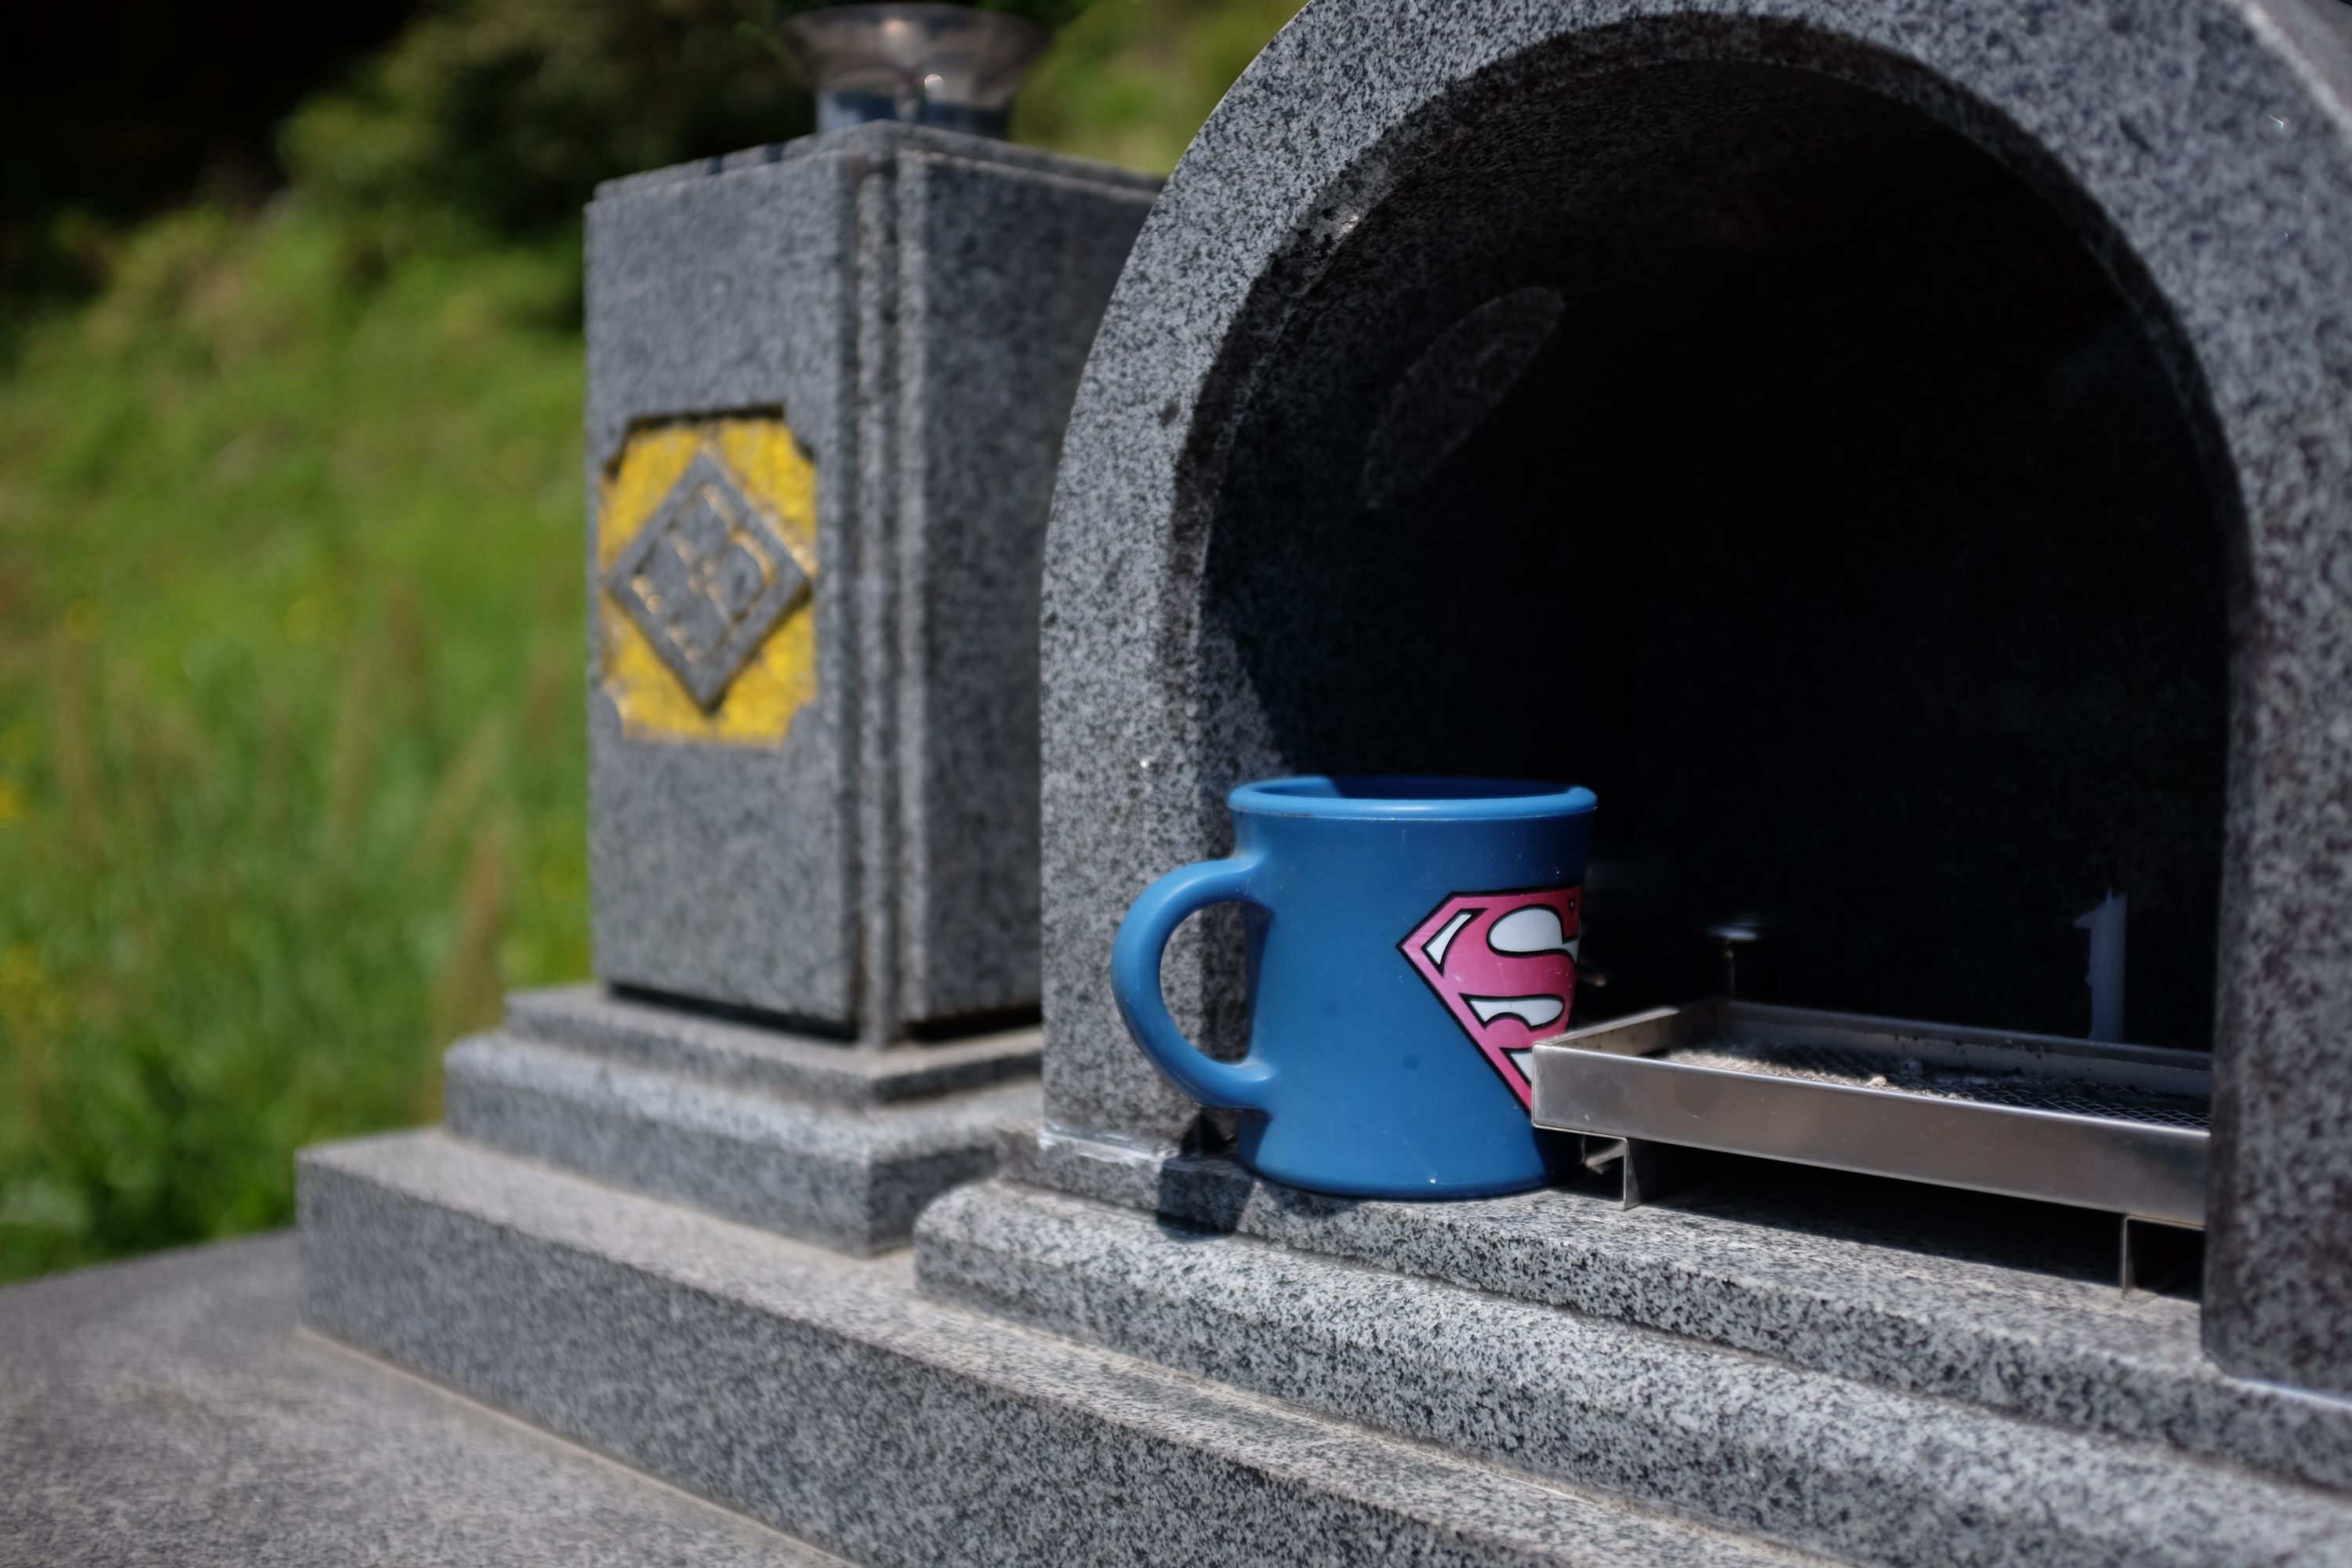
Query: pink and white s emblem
x=1504, y=966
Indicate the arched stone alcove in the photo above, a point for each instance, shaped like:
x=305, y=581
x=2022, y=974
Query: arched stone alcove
x=1806, y=487
x=1900, y=456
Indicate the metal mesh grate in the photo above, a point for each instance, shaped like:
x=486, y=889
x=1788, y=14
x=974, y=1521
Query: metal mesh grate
x=1910, y=1075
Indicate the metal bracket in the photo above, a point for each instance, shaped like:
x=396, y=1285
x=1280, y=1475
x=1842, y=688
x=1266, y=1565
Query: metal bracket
x=2154, y=1257
x=2160, y=1257
x=1647, y=1170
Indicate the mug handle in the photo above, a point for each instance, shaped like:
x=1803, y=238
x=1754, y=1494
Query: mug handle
x=1135, y=957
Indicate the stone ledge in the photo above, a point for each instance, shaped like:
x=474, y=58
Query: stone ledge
x=822, y=1394
x=881, y=141
x=1853, y=1470
x=772, y=1060
x=850, y=1178
x=1857, y=1288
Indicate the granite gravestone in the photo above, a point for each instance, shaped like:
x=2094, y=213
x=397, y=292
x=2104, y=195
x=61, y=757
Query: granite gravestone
x=826, y=383
x=1289, y=462
x=1899, y=456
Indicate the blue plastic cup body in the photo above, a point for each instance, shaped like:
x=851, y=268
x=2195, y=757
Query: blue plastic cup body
x=1408, y=940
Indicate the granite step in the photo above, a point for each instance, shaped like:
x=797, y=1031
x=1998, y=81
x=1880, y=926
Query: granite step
x=822, y=1394
x=1989, y=1300
x=170, y=1412
x=1761, y=1447
x=849, y=1175
x=740, y=1054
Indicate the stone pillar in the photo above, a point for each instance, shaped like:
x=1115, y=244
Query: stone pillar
x=1278, y=545
x=826, y=388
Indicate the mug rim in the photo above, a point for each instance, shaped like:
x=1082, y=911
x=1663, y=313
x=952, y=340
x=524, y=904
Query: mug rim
x=1448, y=798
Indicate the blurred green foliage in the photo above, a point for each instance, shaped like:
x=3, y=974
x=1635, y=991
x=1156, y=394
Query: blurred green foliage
x=291, y=783
x=289, y=713
x=497, y=117
x=1129, y=80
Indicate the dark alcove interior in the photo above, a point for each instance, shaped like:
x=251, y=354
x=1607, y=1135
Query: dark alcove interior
x=1840, y=528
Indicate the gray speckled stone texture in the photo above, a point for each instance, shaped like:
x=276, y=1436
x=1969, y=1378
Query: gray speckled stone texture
x=727, y=873
x=171, y=1411
x=879, y=135
x=741, y=1054
x=836, y=1144
x=918, y=305
x=823, y=1395
x=850, y=1179
x=1861, y=1473
x=2201, y=152
x=1004, y=272
x=2011, y=1306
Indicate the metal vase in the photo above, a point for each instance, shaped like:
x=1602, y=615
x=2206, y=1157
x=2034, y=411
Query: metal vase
x=947, y=66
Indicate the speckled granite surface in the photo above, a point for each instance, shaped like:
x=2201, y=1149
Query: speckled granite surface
x=915, y=138
x=2201, y=152
x=744, y=1055
x=1861, y=1473
x=850, y=1178
x=833, y=1143
x=171, y=1411
x=2013, y=1306
x=823, y=1395
x=916, y=305
x=726, y=872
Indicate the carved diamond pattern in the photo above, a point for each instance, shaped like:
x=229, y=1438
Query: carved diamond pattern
x=707, y=580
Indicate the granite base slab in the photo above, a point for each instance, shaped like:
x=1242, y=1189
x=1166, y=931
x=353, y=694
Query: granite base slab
x=1855, y=1471
x=173, y=1411
x=850, y=1177
x=740, y=1054
x=2008, y=1305
x=822, y=1394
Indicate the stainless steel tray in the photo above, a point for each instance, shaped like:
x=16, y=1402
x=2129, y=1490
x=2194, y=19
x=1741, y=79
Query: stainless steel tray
x=2119, y=1128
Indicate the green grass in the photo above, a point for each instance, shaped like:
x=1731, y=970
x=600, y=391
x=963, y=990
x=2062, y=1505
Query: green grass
x=290, y=778
x=291, y=774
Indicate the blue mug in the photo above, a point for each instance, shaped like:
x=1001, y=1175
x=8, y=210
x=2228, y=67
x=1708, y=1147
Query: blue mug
x=1409, y=941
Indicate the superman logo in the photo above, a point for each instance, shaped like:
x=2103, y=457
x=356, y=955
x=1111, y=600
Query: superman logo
x=1504, y=966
